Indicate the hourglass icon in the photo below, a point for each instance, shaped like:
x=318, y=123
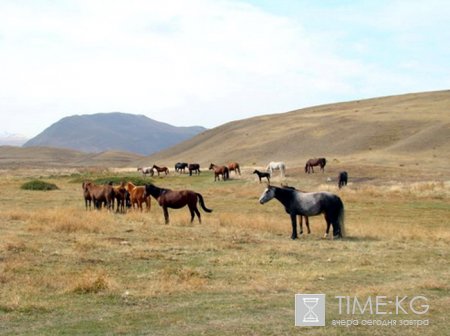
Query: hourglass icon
x=310, y=303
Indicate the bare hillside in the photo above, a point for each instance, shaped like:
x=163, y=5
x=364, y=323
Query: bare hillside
x=406, y=128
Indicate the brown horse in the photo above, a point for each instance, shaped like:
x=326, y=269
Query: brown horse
x=100, y=194
x=161, y=169
x=220, y=170
x=177, y=199
x=234, y=166
x=138, y=197
x=86, y=195
x=315, y=162
x=120, y=195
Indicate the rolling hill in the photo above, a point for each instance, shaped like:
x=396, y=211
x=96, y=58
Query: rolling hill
x=112, y=132
x=38, y=157
x=411, y=128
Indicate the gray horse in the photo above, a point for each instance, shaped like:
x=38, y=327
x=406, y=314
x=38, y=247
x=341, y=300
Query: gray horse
x=309, y=204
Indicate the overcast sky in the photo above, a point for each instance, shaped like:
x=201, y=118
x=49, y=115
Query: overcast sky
x=206, y=62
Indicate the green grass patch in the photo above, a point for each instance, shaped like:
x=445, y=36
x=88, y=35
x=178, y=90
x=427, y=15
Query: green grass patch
x=39, y=185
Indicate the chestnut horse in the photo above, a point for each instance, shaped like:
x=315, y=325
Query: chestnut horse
x=86, y=195
x=137, y=196
x=315, y=162
x=177, y=199
x=220, y=170
x=234, y=166
x=161, y=169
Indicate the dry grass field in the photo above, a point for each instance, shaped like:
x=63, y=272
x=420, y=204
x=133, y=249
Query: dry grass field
x=64, y=270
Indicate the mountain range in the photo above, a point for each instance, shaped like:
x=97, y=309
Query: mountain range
x=113, y=131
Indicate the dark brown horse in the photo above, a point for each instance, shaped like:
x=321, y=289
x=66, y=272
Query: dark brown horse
x=343, y=179
x=220, y=170
x=100, y=194
x=194, y=168
x=234, y=166
x=315, y=162
x=176, y=199
x=161, y=169
x=120, y=195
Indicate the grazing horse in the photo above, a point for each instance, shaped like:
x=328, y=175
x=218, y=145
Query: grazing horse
x=309, y=204
x=315, y=162
x=194, y=168
x=234, y=166
x=177, y=199
x=137, y=196
x=180, y=167
x=276, y=166
x=261, y=175
x=220, y=170
x=343, y=178
x=161, y=169
x=87, y=196
x=146, y=170
x=100, y=194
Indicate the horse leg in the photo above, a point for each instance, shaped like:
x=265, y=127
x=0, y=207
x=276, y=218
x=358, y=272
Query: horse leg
x=327, y=219
x=166, y=215
x=301, y=224
x=307, y=224
x=294, y=226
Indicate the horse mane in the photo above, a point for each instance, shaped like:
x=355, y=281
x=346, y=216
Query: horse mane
x=130, y=186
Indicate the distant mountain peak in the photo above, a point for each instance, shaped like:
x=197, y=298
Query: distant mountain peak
x=105, y=131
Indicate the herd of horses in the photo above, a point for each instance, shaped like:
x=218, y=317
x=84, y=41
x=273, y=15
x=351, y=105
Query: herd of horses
x=295, y=202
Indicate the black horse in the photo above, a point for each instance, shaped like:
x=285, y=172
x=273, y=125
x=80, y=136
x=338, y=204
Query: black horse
x=309, y=204
x=343, y=178
x=262, y=175
x=194, y=168
x=180, y=167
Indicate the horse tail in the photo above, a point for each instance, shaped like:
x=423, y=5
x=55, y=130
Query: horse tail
x=202, y=203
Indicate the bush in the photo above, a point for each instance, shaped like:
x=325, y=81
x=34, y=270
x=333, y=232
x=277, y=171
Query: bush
x=38, y=185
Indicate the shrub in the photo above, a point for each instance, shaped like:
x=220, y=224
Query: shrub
x=38, y=185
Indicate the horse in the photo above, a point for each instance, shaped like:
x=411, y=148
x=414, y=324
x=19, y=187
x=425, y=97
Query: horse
x=87, y=196
x=343, y=178
x=146, y=170
x=234, y=166
x=161, y=169
x=262, y=175
x=180, y=167
x=276, y=166
x=194, y=168
x=100, y=194
x=177, y=199
x=309, y=204
x=315, y=162
x=300, y=216
x=220, y=170
x=137, y=196
x=120, y=195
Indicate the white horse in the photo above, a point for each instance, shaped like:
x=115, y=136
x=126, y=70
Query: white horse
x=146, y=170
x=276, y=166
